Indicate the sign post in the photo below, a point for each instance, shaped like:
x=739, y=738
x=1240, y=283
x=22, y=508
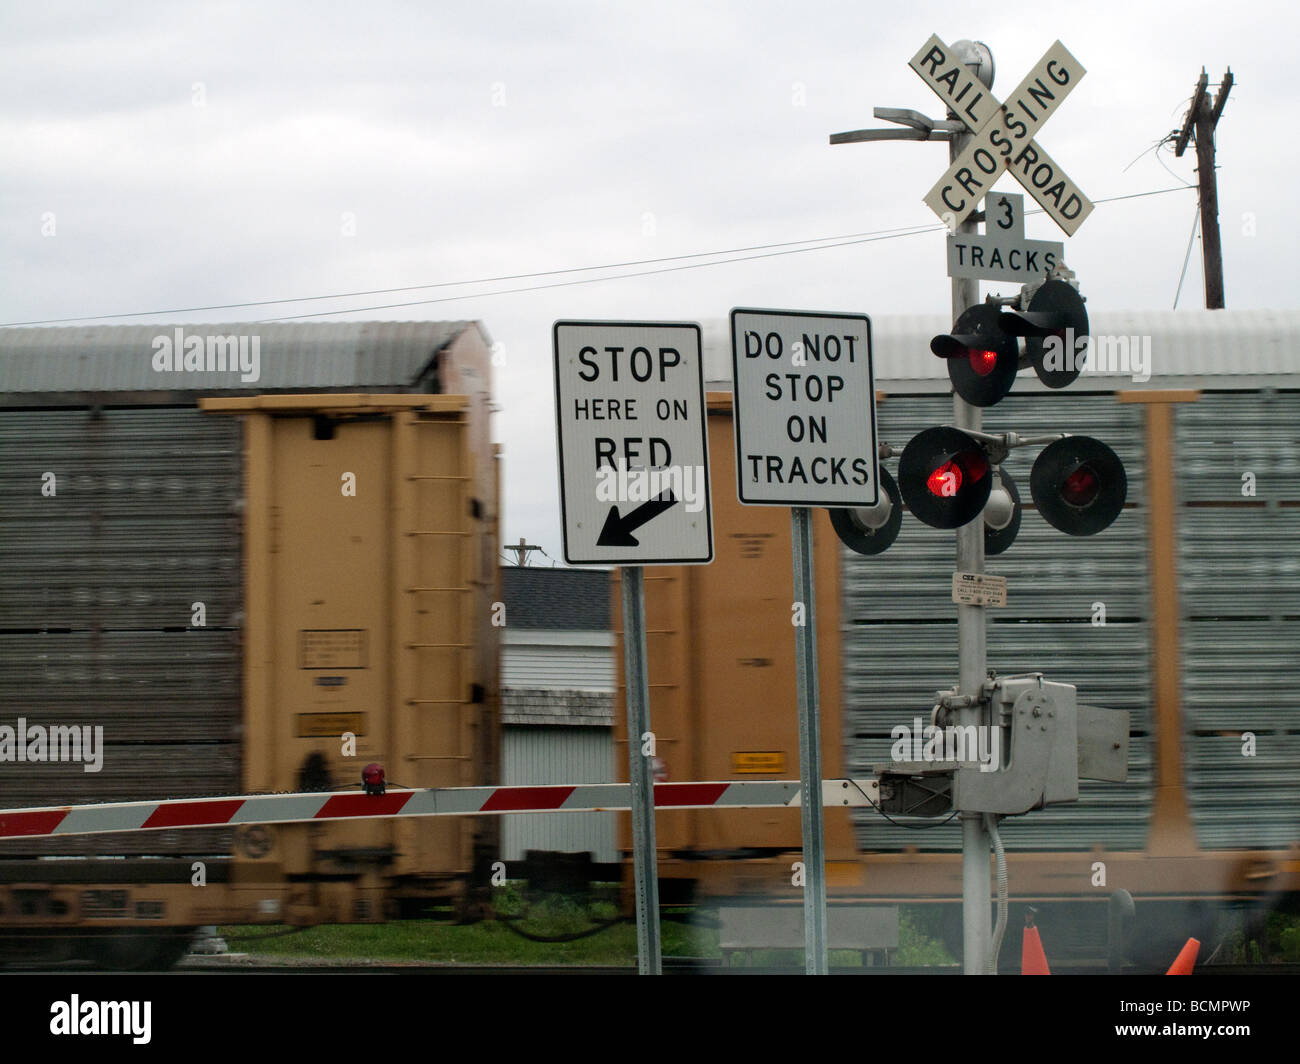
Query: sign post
x=639, y=774
x=810, y=747
x=805, y=425
x=634, y=491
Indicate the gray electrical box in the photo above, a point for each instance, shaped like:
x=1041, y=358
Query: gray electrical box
x=1049, y=742
x=1103, y=744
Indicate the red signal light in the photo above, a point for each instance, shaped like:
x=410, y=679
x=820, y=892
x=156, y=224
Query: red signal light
x=982, y=357
x=982, y=362
x=372, y=778
x=945, y=481
x=1080, y=487
x=944, y=476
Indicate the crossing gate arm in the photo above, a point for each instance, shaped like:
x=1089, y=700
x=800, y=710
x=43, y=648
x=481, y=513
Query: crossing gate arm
x=436, y=801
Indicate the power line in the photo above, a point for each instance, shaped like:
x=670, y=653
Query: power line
x=889, y=234
x=790, y=248
x=455, y=284
x=596, y=280
x=1196, y=221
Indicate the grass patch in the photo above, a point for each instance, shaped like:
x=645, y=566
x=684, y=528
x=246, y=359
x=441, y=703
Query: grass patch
x=1276, y=940
x=549, y=916
x=487, y=942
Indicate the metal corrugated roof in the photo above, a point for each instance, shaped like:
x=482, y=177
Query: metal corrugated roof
x=1188, y=349
x=291, y=356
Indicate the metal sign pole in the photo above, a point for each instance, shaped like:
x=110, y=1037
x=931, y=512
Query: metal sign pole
x=810, y=747
x=640, y=776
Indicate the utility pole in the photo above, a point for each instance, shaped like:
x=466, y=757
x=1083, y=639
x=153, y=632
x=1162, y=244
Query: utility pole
x=1203, y=118
x=522, y=550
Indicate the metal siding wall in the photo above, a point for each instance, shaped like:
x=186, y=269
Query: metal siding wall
x=1239, y=579
x=96, y=591
x=557, y=668
x=900, y=629
x=558, y=755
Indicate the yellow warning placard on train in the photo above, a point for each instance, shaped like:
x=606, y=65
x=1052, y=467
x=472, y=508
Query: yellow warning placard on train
x=758, y=762
x=330, y=725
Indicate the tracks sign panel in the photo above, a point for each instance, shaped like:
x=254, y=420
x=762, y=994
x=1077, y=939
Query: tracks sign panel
x=805, y=408
x=1003, y=253
x=633, y=444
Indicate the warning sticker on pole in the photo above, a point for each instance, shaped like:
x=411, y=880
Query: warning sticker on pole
x=979, y=589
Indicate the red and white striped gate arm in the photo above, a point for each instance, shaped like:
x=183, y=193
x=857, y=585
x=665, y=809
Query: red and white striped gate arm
x=436, y=801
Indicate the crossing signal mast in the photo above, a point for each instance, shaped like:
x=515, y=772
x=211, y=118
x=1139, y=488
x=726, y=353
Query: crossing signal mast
x=951, y=475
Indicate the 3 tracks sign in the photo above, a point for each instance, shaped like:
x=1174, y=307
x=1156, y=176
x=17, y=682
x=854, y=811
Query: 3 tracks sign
x=1003, y=253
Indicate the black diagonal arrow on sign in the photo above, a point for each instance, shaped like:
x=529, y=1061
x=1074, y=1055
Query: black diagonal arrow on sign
x=617, y=531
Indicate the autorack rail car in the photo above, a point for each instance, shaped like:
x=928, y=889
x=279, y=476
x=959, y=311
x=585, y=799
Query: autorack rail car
x=195, y=583
x=252, y=567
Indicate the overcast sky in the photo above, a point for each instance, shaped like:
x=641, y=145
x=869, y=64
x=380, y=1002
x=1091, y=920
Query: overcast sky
x=172, y=155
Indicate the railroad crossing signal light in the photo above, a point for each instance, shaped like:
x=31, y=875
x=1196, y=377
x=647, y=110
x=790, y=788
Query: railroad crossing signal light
x=1078, y=485
x=945, y=477
x=372, y=778
x=1002, y=514
x=1055, y=328
x=872, y=529
x=982, y=356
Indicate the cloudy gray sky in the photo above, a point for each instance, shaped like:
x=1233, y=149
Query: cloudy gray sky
x=198, y=154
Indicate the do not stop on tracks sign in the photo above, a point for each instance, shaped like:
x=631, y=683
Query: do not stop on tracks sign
x=634, y=455
x=805, y=408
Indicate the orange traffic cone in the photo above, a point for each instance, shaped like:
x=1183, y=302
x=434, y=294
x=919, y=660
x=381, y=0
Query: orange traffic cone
x=1186, y=959
x=1033, y=961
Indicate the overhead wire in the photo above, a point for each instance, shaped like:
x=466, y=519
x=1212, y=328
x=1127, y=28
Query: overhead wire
x=885, y=235
x=891, y=235
x=819, y=244
x=902, y=230
x=1161, y=161
x=1153, y=147
x=1196, y=221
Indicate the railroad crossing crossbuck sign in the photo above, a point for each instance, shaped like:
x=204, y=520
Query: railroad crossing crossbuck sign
x=1003, y=135
x=634, y=455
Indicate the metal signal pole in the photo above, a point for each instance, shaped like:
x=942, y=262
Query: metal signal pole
x=972, y=647
x=977, y=922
